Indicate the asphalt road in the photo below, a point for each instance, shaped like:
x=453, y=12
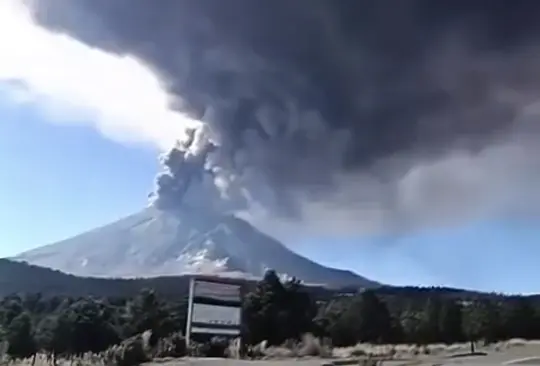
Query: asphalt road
x=480, y=361
x=520, y=355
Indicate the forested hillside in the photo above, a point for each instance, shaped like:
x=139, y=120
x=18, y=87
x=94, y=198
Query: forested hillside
x=17, y=277
x=20, y=277
x=273, y=311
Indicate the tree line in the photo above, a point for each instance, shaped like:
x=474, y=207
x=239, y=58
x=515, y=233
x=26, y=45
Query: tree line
x=274, y=311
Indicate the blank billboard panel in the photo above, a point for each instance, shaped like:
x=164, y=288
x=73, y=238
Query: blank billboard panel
x=216, y=331
x=217, y=291
x=222, y=316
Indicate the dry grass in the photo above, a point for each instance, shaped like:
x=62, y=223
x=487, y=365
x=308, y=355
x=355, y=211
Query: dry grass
x=397, y=351
x=407, y=351
x=311, y=346
x=41, y=360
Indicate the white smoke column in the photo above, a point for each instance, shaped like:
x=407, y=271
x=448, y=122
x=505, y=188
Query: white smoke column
x=77, y=83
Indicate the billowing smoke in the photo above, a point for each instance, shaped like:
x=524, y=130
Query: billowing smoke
x=350, y=115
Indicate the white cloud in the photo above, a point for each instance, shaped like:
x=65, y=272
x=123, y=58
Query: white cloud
x=76, y=83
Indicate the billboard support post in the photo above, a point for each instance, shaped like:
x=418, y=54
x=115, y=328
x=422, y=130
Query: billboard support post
x=189, y=311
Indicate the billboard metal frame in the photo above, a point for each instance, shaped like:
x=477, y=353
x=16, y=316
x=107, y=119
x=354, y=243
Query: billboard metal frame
x=231, y=286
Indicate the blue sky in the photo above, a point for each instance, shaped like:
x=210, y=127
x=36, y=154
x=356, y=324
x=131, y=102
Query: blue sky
x=59, y=180
x=75, y=155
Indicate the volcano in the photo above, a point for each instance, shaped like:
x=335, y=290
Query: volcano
x=156, y=242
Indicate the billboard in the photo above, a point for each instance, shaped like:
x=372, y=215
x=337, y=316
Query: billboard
x=214, y=308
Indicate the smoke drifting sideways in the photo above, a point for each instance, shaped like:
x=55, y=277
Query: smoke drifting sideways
x=343, y=116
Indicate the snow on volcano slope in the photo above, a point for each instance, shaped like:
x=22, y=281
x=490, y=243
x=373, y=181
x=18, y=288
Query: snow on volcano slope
x=162, y=243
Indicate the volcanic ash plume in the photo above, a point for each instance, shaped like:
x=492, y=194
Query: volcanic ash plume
x=343, y=115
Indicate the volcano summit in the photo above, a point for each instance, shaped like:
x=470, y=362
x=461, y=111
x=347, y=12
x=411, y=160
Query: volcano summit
x=164, y=243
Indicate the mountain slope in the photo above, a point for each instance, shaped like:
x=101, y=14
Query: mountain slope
x=23, y=278
x=163, y=243
x=17, y=277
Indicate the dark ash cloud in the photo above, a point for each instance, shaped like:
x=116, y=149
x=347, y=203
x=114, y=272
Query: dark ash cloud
x=347, y=115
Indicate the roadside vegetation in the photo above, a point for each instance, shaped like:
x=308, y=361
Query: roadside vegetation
x=281, y=319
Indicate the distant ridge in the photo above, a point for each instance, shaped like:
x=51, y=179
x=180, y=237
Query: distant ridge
x=20, y=277
x=168, y=243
